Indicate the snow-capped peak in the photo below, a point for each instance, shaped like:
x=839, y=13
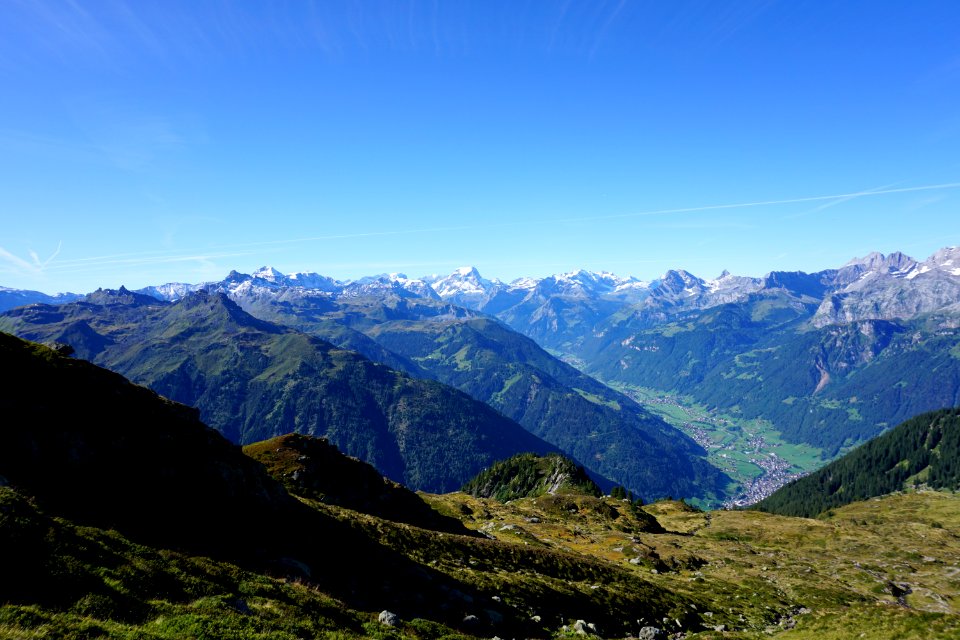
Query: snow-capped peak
x=598, y=280
x=463, y=285
x=171, y=291
x=525, y=283
x=465, y=272
x=680, y=279
x=268, y=273
x=948, y=257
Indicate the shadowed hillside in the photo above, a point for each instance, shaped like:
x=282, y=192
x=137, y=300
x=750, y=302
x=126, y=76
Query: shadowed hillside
x=253, y=380
x=144, y=476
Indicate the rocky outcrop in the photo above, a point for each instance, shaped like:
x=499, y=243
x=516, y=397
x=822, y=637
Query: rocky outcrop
x=892, y=287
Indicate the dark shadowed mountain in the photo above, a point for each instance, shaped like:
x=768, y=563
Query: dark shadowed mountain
x=253, y=380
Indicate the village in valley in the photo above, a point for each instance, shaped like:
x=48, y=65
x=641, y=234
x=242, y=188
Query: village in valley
x=749, y=451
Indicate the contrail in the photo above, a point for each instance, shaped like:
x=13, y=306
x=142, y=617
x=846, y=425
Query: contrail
x=833, y=203
x=741, y=205
x=842, y=197
x=765, y=203
x=55, y=254
x=16, y=261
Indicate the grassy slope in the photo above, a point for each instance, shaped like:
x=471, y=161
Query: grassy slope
x=68, y=582
x=559, y=557
x=313, y=468
x=790, y=577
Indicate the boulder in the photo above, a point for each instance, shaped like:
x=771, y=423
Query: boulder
x=388, y=618
x=649, y=633
x=584, y=628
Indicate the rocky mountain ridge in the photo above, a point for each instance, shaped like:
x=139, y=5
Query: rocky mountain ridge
x=876, y=286
x=929, y=285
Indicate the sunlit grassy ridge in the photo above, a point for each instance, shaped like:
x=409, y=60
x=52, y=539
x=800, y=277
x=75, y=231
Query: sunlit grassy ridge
x=314, y=469
x=887, y=568
x=527, y=475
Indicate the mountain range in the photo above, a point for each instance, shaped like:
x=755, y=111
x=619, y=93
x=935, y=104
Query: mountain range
x=875, y=287
x=863, y=339
x=10, y=298
x=251, y=398
x=869, y=344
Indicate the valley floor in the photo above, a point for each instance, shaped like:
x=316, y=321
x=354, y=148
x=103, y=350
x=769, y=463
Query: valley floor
x=749, y=451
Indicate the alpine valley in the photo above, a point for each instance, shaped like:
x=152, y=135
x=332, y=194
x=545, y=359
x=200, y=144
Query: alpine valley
x=713, y=390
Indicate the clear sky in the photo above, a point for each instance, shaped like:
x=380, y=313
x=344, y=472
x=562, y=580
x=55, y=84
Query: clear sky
x=147, y=142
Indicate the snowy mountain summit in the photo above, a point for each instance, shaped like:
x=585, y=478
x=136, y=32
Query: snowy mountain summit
x=465, y=286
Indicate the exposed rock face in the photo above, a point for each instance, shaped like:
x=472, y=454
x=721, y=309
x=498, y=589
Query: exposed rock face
x=892, y=287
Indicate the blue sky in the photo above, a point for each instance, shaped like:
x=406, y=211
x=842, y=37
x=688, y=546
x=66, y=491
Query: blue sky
x=143, y=143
